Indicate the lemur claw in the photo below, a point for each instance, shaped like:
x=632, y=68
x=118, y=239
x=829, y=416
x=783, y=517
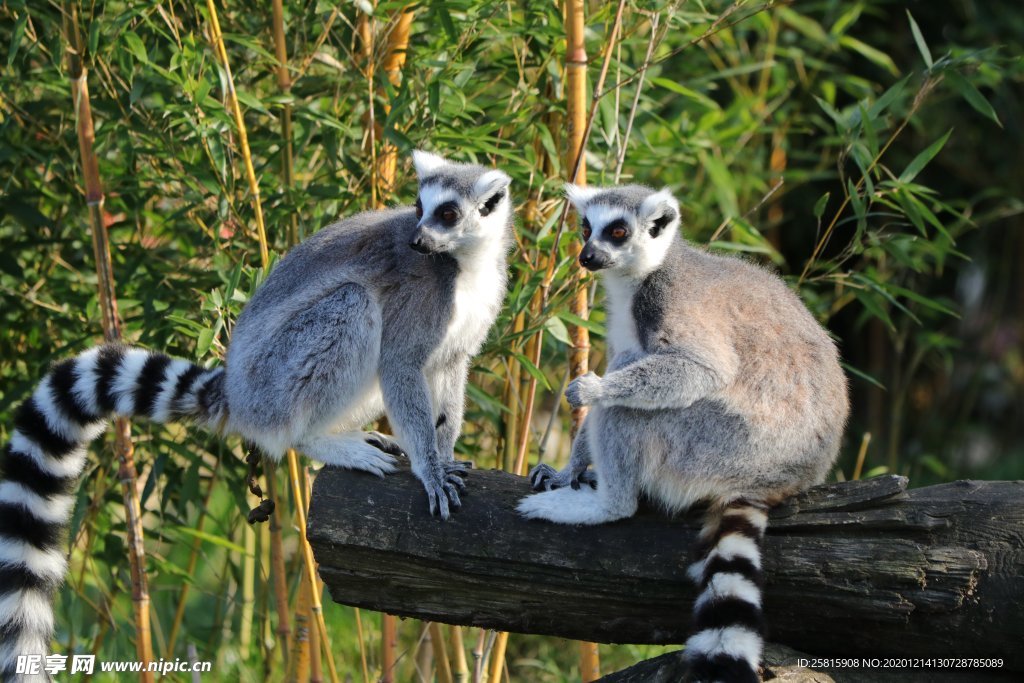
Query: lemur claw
x=385, y=443
x=585, y=477
x=540, y=475
x=546, y=478
x=443, y=489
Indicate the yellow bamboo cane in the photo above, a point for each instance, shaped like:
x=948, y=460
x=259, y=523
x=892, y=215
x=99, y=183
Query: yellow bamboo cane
x=307, y=553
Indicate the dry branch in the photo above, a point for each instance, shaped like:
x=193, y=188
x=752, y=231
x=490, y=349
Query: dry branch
x=855, y=569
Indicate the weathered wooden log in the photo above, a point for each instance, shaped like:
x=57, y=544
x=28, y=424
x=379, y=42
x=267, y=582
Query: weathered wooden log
x=865, y=569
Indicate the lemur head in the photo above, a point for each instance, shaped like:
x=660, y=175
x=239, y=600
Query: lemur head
x=626, y=229
x=460, y=207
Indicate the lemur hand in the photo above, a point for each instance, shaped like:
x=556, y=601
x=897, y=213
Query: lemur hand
x=544, y=477
x=443, y=481
x=585, y=390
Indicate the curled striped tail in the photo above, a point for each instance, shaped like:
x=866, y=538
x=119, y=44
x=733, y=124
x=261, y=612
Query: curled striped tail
x=41, y=464
x=726, y=645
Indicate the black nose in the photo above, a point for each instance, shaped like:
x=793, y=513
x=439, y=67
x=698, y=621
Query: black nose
x=586, y=259
x=418, y=245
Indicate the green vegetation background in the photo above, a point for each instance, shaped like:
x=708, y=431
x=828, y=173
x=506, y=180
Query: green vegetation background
x=897, y=141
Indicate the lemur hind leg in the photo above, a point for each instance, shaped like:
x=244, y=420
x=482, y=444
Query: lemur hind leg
x=353, y=450
x=615, y=456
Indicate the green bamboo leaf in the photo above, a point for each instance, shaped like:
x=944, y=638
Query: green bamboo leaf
x=210, y=538
x=919, y=39
x=16, y=35
x=533, y=370
x=136, y=46
x=819, y=206
x=872, y=54
x=557, y=329
x=922, y=159
x=969, y=92
x=591, y=326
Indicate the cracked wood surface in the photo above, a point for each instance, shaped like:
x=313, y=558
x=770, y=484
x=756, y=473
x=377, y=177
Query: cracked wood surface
x=864, y=568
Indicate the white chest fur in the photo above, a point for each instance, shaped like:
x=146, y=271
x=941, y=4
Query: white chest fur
x=621, y=326
x=479, y=290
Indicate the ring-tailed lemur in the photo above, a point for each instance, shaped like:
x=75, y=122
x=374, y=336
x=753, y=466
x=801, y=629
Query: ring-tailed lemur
x=379, y=313
x=721, y=388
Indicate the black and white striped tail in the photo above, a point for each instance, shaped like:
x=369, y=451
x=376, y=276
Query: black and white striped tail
x=726, y=645
x=41, y=464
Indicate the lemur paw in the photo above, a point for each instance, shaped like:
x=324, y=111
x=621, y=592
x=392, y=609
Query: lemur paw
x=373, y=461
x=385, y=443
x=567, y=506
x=585, y=390
x=546, y=478
x=443, y=487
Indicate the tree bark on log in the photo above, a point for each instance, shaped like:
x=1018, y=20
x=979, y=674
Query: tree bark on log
x=866, y=569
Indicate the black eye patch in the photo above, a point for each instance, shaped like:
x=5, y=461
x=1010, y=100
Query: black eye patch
x=492, y=203
x=616, y=232
x=447, y=213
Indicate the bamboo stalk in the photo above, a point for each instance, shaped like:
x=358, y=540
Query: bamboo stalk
x=389, y=647
x=298, y=659
x=243, y=139
x=315, y=607
x=280, y=577
x=193, y=560
x=285, y=84
x=362, y=646
x=248, y=591
x=579, y=354
x=278, y=571
x=300, y=513
x=111, y=332
x=461, y=666
x=478, y=656
x=316, y=674
x=444, y=667
x=498, y=657
x=394, y=59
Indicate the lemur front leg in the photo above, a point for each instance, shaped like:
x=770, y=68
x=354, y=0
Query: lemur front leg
x=544, y=477
x=410, y=411
x=449, y=388
x=671, y=379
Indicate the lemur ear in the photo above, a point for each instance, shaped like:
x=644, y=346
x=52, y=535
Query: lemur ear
x=659, y=211
x=579, y=196
x=426, y=162
x=489, y=189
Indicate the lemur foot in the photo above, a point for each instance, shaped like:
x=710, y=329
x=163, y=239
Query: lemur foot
x=351, y=450
x=546, y=478
x=443, y=487
x=385, y=443
x=573, y=506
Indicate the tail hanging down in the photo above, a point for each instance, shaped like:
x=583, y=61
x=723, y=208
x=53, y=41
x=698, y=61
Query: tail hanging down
x=726, y=645
x=41, y=464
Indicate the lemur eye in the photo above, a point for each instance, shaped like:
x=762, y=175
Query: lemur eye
x=618, y=233
x=447, y=213
x=587, y=231
x=419, y=208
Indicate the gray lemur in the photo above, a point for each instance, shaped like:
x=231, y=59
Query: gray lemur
x=377, y=314
x=721, y=388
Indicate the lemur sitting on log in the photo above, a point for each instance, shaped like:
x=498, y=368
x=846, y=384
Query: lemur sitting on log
x=377, y=314
x=721, y=388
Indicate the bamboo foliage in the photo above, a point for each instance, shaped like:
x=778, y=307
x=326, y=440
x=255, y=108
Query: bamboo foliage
x=504, y=85
x=307, y=554
x=124, y=449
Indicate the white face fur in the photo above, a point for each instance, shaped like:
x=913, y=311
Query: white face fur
x=621, y=241
x=454, y=222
